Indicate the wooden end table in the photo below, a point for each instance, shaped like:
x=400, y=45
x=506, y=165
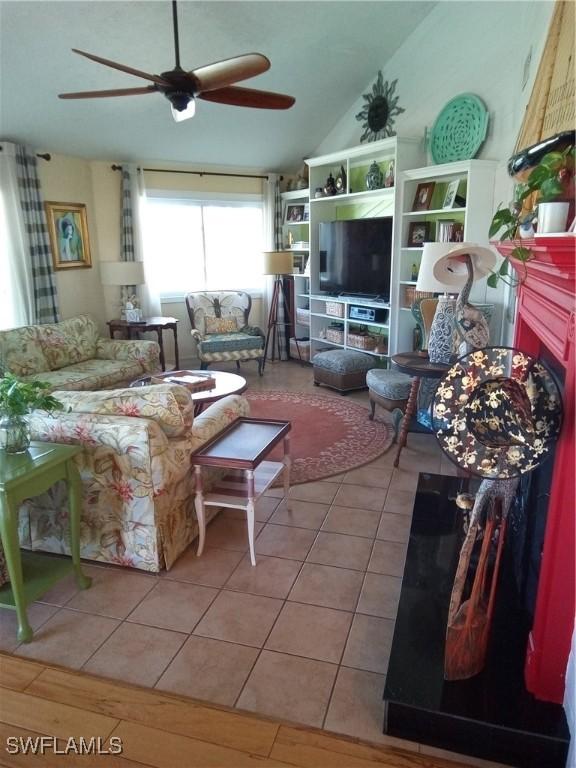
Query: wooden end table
x=157, y=324
x=418, y=365
x=32, y=574
x=241, y=447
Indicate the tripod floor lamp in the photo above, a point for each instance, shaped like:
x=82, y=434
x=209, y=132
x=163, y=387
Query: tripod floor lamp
x=280, y=264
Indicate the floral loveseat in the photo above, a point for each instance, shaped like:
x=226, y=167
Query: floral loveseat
x=72, y=355
x=138, y=490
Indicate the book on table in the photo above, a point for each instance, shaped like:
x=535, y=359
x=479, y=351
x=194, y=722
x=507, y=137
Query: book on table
x=194, y=382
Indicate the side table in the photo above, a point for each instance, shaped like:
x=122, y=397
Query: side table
x=32, y=574
x=241, y=447
x=157, y=324
x=418, y=365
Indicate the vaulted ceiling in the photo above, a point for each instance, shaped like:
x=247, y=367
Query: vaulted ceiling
x=325, y=54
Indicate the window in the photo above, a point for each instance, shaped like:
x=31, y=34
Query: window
x=194, y=245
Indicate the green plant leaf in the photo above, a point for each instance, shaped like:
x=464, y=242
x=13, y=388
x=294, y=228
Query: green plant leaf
x=553, y=160
x=522, y=254
x=503, y=268
x=492, y=281
x=550, y=190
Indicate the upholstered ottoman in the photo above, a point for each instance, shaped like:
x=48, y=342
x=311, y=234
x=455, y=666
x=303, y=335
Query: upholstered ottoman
x=390, y=389
x=341, y=369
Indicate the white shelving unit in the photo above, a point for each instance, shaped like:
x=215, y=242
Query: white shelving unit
x=476, y=190
x=354, y=202
x=294, y=233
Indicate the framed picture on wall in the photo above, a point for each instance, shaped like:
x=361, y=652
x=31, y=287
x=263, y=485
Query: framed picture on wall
x=418, y=233
x=68, y=231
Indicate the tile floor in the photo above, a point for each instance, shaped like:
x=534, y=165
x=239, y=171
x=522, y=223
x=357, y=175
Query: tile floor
x=305, y=636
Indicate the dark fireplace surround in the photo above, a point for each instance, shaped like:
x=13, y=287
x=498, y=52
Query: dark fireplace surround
x=510, y=712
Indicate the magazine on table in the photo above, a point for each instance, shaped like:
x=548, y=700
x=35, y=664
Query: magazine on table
x=193, y=381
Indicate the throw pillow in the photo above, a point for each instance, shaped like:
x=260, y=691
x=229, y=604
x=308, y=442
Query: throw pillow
x=221, y=324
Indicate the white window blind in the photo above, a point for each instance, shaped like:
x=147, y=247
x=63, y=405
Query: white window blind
x=195, y=245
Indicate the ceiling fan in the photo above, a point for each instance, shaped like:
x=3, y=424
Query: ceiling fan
x=213, y=82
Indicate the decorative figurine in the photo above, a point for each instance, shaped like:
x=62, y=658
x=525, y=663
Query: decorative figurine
x=341, y=181
x=414, y=272
x=330, y=188
x=389, y=178
x=374, y=177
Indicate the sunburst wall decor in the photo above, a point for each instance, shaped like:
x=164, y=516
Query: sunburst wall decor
x=380, y=108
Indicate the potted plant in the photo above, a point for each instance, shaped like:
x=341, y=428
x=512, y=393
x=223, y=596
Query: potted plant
x=550, y=182
x=17, y=399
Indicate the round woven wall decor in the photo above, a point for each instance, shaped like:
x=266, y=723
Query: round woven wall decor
x=459, y=130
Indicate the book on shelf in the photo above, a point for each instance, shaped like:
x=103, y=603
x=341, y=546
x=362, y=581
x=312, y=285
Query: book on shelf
x=194, y=382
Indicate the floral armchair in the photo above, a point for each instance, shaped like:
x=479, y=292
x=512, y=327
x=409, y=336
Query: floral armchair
x=138, y=490
x=219, y=321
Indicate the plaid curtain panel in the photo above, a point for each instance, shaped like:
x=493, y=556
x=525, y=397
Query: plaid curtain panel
x=126, y=221
x=43, y=283
x=282, y=327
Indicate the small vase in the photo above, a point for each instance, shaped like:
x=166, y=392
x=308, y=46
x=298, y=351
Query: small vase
x=440, y=340
x=14, y=434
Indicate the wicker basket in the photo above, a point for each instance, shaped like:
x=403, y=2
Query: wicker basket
x=361, y=341
x=303, y=346
x=411, y=294
x=335, y=309
x=335, y=335
x=302, y=316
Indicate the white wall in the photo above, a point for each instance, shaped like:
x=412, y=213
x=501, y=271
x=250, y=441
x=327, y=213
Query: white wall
x=69, y=180
x=463, y=47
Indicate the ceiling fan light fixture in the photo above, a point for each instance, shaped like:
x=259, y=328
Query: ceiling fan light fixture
x=183, y=105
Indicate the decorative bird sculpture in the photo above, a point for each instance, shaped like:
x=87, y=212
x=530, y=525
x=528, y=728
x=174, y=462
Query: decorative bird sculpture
x=471, y=325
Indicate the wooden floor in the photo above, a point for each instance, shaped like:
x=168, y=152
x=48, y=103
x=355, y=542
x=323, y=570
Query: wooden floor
x=162, y=730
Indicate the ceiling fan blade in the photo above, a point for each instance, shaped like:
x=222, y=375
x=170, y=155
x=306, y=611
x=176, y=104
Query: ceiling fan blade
x=223, y=73
x=248, y=97
x=122, y=67
x=104, y=94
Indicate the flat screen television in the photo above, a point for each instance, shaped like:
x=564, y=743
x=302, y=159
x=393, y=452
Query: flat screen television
x=356, y=257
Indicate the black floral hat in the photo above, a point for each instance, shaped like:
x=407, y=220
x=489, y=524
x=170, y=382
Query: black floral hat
x=496, y=412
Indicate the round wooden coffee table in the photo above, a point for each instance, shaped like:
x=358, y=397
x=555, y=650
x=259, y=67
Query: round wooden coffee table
x=226, y=384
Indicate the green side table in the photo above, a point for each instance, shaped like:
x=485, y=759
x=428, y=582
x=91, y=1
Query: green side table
x=31, y=574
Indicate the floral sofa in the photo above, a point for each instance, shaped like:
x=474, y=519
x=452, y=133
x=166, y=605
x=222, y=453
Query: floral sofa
x=138, y=490
x=72, y=355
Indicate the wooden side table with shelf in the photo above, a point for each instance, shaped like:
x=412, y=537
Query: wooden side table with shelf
x=32, y=574
x=241, y=447
x=157, y=324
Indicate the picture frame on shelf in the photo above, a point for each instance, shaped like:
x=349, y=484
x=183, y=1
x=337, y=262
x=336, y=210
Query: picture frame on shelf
x=418, y=233
x=68, y=232
x=295, y=212
x=300, y=261
x=423, y=196
x=450, y=195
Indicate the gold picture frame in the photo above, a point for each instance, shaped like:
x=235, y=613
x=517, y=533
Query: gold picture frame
x=68, y=230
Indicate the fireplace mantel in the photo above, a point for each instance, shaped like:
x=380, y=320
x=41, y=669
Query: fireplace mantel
x=545, y=321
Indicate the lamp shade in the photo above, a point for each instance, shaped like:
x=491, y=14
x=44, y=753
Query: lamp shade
x=451, y=269
x=427, y=281
x=122, y=272
x=278, y=263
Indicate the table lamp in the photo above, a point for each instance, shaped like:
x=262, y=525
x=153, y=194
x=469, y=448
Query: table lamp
x=441, y=330
x=279, y=264
x=127, y=275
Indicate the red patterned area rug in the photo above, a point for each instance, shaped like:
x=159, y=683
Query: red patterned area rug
x=329, y=434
